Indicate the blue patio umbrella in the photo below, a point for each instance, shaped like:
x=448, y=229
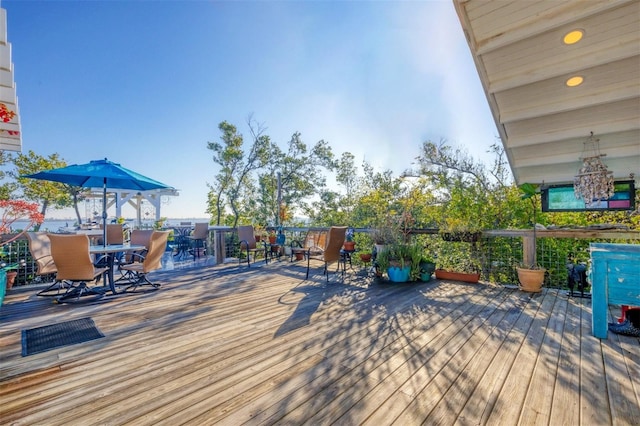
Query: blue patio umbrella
x=100, y=173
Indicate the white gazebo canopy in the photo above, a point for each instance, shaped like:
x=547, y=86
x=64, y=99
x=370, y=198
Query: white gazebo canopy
x=121, y=197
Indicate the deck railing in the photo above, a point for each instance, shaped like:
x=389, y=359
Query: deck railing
x=496, y=252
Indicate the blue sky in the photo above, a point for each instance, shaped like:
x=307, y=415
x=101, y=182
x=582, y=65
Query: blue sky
x=146, y=83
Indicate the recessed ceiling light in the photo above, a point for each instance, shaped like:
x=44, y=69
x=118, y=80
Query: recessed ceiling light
x=573, y=36
x=574, y=81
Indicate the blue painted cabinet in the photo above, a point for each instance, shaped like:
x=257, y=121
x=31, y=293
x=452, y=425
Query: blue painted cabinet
x=615, y=280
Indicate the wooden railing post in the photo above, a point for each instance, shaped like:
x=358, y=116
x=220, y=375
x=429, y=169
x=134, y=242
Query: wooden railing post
x=528, y=250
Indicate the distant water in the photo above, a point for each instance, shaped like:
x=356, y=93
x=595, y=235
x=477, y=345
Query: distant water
x=52, y=225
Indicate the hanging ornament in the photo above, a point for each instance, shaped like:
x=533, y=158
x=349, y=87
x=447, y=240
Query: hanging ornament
x=594, y=182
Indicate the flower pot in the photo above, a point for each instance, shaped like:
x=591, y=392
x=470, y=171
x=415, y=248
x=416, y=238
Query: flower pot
x=426, y=270
x=365, y=257
x=258, y=238
x=11, y=279
x=399, y=275
x=531, y=280
x=441, y=274
x=349, y=245
x=299, y=256
x=272, y=240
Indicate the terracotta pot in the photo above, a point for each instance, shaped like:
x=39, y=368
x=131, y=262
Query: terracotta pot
x=531, y=280
x=441, y=274
x=365, y=257
x=272, y=240
x=11, y=279
x=299, y=256
x=349, y=245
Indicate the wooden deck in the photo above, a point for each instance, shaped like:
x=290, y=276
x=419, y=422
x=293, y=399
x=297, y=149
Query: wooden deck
x=233, y=345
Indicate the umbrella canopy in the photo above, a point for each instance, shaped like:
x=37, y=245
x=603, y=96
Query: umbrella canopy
x=100, y=173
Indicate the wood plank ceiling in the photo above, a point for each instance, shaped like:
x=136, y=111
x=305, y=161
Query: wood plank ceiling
x=524, y=64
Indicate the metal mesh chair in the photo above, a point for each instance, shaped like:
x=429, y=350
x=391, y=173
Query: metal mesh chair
x=72, y=259
x=248, y=245
x=199, y=239
x=151, y=261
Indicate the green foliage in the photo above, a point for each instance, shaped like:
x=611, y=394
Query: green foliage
x=233, y=182
x=46, y=193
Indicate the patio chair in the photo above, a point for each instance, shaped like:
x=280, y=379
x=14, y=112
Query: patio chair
x=40, y=249
x=313, y=238
x=139, y=237
x=248, y=245
x=137, y=270
x=330, y=253
x=199, y=239
x=72, y=259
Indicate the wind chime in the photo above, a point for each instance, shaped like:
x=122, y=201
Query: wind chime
x=594, y=182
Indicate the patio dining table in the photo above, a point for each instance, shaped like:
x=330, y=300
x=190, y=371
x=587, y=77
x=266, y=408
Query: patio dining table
x=110, y=250
x=181, y=239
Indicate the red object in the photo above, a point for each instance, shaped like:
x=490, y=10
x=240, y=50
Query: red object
x=625, y=308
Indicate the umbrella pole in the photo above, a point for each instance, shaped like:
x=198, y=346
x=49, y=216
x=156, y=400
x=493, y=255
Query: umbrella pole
x=104, y=212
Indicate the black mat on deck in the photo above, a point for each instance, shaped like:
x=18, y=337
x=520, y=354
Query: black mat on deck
x=41, y=339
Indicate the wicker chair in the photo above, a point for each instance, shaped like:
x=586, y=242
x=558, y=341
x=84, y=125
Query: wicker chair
x=142, y=265
x=315, y=238
x=330, y=252
x=40, y=249
x=72, y=259
x=248, y=245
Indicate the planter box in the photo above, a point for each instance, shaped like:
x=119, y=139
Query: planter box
x=441, y=274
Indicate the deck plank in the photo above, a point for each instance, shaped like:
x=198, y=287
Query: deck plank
x=261, y=345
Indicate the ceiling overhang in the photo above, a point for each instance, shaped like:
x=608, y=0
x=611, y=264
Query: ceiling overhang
x=524, y=64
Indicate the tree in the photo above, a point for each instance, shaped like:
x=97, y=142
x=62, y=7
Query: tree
x=301, y=175
x=48, y=194
x=236, y=166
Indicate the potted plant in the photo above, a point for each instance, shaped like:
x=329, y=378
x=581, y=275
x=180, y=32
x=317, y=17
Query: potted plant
x=426, y=267
x=258, y=232
x=457, y=263
x=272, y=237
x=11, y=272
x=365, y=256
x=456, y=230
x=349, y=244
x=395, y=260
x=383, y=236
x=531, y=275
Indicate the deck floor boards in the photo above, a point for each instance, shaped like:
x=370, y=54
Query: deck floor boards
x=235, y=345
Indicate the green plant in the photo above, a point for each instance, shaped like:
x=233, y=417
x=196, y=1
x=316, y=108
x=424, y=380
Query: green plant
x=396, y=254
x=457, y=257
x=160, y=223
x=348, y=236
x=384, y=235
x=529, y=191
